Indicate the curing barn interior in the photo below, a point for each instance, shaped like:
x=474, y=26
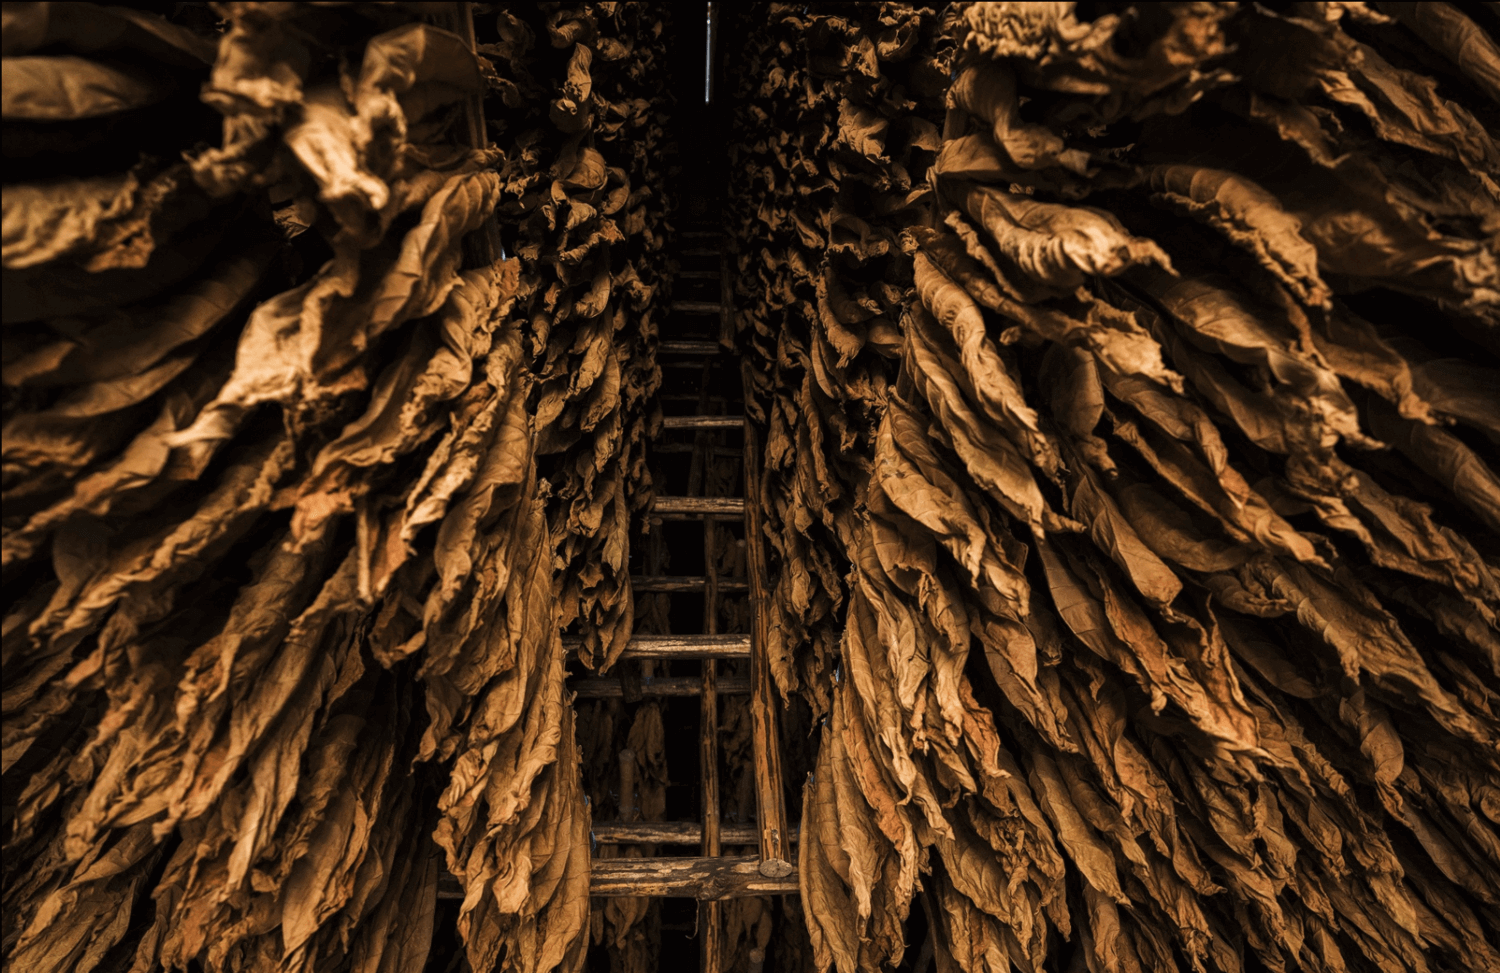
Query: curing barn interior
x=751, y=487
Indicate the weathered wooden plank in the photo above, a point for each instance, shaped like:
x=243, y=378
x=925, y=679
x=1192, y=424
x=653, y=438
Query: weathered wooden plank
x=690, y=348
x=678, y=646
x=605, y=688
x=729, y=877
x=669, y=833
x=711, y=918
x=678, y=582
x=721, y=507
x=770, y=804
x=703, y=422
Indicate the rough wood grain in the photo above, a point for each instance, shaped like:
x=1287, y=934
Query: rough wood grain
x=727, y=877
x=674, y=508
x=679, y=647
x=670, y=833
x=669, y=582
x=702, y=422
x=770, y=803
x=689, y=348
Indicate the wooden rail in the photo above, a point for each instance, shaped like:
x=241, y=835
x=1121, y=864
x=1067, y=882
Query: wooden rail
x=689, y=348
x=678, y=646
x=770, y=803
x=675, y=582
x=703, y=422
x=705, y=879
x=720, y=508
x=669, y=833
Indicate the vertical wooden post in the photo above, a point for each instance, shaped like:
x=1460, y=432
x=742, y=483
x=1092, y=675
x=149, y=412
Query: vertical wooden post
x=710, y=920
x=770, y=804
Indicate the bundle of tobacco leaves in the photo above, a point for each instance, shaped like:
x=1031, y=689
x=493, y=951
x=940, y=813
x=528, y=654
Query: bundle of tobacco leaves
x=280, y=596
x=837, y=122
x=1171, y=636
x=581, y=88
x=1129, y=479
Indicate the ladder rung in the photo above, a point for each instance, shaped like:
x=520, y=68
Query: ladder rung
x=718, y=508
x=690, y=348
x=697, y=307
x=701, y=234
x=703, y=422
x=601, y=688
x=668, y=833
x=702, y=252
x=678, y=646
x=727, y=877
x=698, y=274
x=673, y=582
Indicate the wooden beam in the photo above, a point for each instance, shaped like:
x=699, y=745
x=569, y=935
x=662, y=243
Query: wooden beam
x=669, y=833
x=678, y=582
x=703, y=422
x=723, y=508
x=678, y=646
x=605, y=688
x=696, y=307
x=729, y=877
x=710, y=943
x=775, y=849
x=689, y=348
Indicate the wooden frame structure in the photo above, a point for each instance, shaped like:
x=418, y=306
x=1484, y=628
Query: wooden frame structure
x=711, y=876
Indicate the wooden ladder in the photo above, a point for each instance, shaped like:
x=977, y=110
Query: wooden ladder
x=711, y=876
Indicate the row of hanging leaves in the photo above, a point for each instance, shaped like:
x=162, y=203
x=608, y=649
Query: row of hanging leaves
x=1170, y=628
x=837, y=120
x=282, y=577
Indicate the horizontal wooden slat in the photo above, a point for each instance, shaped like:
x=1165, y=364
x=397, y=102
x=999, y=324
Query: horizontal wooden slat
x=700, y=252
x=670, y=832
x=659, y=686
x=667, y=833
x=702, y=234
x=728, y=877
x=703, y=422
x=697, y=307
x=674, y=582
x=690, y=348
x=698, y=274
x=699, y=507
x=678, y=646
